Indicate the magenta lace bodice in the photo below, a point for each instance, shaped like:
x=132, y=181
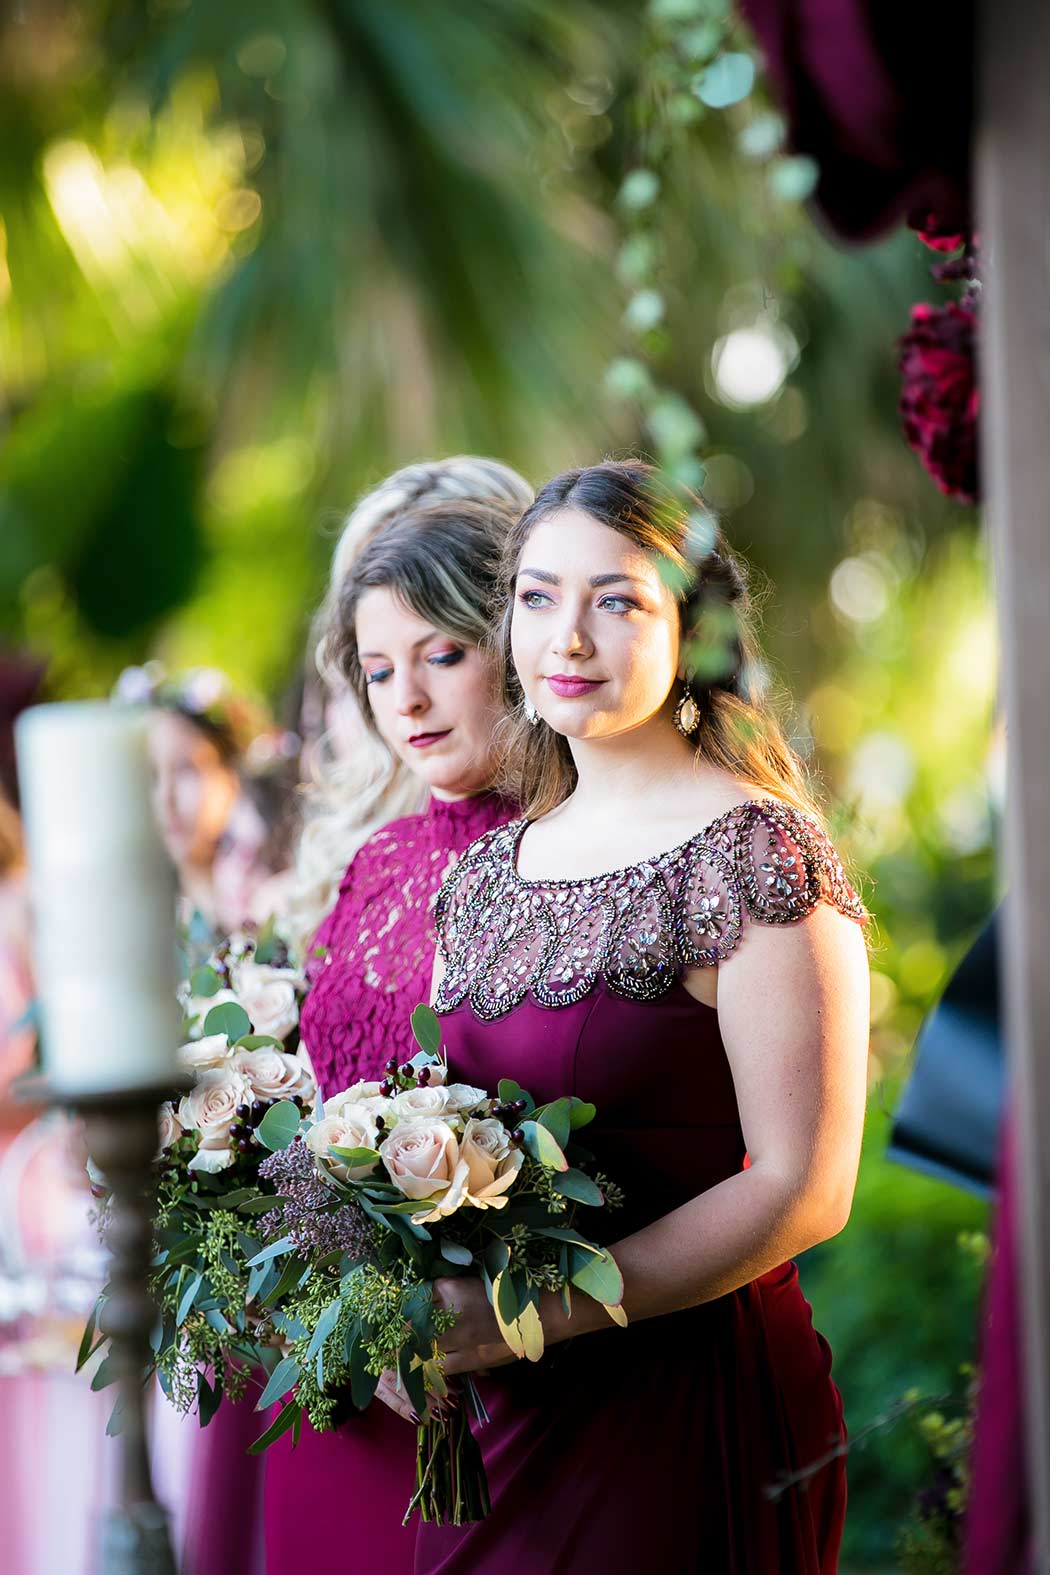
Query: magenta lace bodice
x=505, y=938
x=371, y=960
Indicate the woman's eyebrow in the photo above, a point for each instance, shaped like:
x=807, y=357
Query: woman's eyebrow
x=595, y=580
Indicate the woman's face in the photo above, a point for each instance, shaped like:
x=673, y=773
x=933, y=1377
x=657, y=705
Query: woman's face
x=193, y=789
x=240, y=868
x=433, y=697
x=595, y=633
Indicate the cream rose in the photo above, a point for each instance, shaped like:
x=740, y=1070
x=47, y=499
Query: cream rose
x=366, y=1094
x=421, y=1104
x=488, y=1165
x=274, y=1074
x=210, y=1109
x=421, y=1158
x=269, y=997
x=203, y=1055
x=169, y=1129
x=355, y=1127
x=461, y=1096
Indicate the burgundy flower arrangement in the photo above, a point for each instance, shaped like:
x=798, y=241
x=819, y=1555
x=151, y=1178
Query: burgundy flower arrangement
x=939, y=398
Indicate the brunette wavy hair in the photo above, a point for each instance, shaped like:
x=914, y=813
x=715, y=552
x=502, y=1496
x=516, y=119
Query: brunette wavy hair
x=738, y=730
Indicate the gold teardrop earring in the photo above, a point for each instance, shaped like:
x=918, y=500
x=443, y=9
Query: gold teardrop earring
x=687, y=714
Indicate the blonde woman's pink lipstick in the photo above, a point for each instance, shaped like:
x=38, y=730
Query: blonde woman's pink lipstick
x=572, y=688
x=424, y=740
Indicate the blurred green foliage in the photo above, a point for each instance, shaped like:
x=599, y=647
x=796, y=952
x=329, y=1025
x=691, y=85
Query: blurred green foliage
x=253, y=258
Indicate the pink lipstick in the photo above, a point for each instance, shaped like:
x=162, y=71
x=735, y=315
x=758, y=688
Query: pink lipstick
x=424, y=740
x=571, y=688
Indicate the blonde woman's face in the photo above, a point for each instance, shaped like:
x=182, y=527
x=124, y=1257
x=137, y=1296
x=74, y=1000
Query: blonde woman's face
x=595, y=632
x=433, y=697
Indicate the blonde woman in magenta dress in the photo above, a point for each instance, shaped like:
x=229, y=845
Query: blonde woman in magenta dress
x=670, y=934
x=403, y=631
x=385, y=820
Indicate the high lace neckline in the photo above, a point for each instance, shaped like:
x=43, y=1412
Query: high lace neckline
x=477, y=806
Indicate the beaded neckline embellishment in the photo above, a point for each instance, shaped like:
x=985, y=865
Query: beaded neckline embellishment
x=503, y=936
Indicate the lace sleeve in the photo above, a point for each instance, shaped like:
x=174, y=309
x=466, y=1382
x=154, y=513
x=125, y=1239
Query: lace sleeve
x=765, y=861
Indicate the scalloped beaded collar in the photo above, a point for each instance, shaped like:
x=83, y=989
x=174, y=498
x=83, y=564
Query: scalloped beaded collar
x=504, y=937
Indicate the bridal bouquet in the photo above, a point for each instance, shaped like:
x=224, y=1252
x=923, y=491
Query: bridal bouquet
x=401, y=1182
x=250, y=1087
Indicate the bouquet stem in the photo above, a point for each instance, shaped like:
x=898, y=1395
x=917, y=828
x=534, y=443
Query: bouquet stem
x=451, y=1486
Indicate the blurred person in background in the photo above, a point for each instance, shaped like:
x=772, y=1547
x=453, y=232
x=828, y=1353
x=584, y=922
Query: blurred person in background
x=200, y=732
x=251, y=873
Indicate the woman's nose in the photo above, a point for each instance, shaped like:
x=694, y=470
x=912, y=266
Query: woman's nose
x=410, y=697
x=571, y=637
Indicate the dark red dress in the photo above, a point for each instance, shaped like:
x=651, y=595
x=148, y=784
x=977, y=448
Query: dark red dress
x=664, y=1446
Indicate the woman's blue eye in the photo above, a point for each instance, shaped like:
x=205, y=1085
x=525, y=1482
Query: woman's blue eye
x=378, y=676
x=533, y=598
x=624, y=603
x=445, y=658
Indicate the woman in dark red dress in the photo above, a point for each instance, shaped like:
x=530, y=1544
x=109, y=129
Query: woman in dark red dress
x=671, y=935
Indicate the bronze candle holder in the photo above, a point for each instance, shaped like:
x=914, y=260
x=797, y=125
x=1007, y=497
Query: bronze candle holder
x=120, y=1130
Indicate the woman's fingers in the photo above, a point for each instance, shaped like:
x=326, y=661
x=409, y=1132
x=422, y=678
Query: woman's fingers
x=395, y=1398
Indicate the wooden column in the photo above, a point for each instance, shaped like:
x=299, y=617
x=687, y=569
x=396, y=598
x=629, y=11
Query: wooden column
x=1013, y=169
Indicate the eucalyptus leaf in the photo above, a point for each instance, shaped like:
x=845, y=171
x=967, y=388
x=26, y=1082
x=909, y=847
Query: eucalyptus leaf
x=230, y=1019
x=581, y=1113
x=284, y=1377
x=261, y=1205
x=271, y=1251
x=556, y=1118
x=208, y=1398
x=323, y=1328
x=286, y=1418
x=279, y=1126
x=426, y=1028
x=106, y=1373
x=543, y=1147
x=188, y=1297
x=259, y=1042
x=456, y=1252
x=86, y=1338
x=574, y=1184
x=598, y=1276
x=205, y=981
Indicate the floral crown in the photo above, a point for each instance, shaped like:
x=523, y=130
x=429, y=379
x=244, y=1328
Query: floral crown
x=206, y=696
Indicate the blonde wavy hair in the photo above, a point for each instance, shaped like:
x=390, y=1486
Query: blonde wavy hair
x=350, y=798
x=737, y=729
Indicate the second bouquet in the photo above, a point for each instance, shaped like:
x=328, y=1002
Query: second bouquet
x=401, y=1182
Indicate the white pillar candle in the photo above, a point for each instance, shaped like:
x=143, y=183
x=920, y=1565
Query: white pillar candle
x=103, y=898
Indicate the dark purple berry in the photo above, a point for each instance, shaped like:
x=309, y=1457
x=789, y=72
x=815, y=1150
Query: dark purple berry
x=517, y=1136
x=244, y=1144
x=386, y=1087
x=391, y=1066
x=380, y=1124
x=408, y=1070
x=521, y=1104
x=244, y=1110
x=423, y=1078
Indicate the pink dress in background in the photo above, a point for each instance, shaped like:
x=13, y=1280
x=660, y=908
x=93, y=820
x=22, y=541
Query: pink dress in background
x=670, y=1445
x=342, y=1495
